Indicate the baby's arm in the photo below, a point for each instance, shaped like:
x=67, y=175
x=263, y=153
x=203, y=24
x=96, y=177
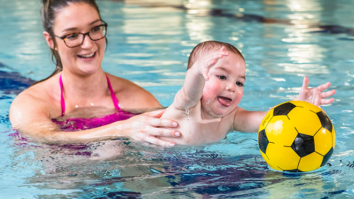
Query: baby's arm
x=196, y=76
x=249, y=121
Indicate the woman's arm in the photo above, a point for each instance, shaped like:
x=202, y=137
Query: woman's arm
x=31, y=117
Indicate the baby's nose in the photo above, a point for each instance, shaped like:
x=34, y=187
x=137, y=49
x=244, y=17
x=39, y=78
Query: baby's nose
x=231, y=87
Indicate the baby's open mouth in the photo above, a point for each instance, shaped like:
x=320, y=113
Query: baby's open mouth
x=87, y=55
x=224, y=101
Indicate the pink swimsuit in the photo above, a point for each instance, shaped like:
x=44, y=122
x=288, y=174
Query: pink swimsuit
x=74, y=124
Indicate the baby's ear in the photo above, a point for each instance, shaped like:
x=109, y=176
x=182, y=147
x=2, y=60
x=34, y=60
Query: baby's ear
x=49, y=39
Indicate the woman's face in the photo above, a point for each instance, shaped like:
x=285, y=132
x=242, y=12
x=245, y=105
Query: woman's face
x=79, y=18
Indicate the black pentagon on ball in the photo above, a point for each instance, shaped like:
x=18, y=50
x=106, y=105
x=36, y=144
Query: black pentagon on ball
x=303, y=145
x=326, y=157
x=325, y=121
x=283, y=109
x=263, y=141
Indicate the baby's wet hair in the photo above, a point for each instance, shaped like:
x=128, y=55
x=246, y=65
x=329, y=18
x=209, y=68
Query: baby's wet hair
x=208, y=46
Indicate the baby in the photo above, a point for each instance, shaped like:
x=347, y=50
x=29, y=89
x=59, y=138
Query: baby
x=206, y=108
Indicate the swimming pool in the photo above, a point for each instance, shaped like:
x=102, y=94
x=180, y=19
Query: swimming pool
x=149, y=44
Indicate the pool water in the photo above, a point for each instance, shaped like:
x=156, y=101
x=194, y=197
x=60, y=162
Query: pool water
x=149, y=44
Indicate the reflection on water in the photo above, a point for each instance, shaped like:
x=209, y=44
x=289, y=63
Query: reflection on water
x=149, y=44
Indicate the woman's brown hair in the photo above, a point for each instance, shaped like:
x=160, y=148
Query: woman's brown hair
x=48, y=12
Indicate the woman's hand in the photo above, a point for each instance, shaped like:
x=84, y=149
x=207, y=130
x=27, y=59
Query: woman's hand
x=147, y=126
x=315, y=95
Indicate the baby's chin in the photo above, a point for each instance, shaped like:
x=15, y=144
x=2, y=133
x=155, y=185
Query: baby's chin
x=219, y=113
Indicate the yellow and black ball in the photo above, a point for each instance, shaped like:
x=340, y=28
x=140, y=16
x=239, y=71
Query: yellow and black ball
x=296, y=136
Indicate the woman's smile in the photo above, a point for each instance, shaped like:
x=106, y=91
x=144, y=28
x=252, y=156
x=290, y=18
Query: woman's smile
x=87, y=57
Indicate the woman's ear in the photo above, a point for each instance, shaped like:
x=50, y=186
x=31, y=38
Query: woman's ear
x=49, y=39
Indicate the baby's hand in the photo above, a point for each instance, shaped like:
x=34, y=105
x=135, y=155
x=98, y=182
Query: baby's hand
x=210, y=60
x=315, y=95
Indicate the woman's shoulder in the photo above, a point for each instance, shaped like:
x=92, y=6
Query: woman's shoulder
x=130, y=94
x=121, y=84
x=42, y=93
x=124, y=86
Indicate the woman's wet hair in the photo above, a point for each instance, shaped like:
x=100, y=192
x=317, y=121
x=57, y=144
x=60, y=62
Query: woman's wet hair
x=206, y=47
x=49, y=10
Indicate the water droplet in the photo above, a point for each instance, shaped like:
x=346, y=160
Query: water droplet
x=208, y=102
x=187, y=111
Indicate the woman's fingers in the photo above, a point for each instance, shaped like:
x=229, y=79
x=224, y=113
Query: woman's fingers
x=161, y=122
x=153, y=140
x=157, y=141
x=156, y=114
x=161, y=132
x=149, y=127
x=153, y=118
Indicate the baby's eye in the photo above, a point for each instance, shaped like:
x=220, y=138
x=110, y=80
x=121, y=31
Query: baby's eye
x=239, y=83
x=221, y=77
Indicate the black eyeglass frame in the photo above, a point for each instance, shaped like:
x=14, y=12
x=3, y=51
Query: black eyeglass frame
x=84, y=34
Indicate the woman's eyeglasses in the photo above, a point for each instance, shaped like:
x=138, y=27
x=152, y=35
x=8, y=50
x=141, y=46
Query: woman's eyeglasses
x=76, y=39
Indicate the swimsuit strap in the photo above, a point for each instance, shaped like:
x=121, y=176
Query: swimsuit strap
x=114, y=98
x=62, y=101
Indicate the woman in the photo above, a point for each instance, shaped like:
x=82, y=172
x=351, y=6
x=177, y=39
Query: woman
x=76, y=34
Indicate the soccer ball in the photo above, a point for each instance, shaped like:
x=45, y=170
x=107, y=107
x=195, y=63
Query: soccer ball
x=296, y=136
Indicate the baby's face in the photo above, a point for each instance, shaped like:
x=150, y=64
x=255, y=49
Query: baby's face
x=224, y=89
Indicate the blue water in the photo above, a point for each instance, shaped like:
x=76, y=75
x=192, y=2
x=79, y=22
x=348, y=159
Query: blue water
x=149, y=44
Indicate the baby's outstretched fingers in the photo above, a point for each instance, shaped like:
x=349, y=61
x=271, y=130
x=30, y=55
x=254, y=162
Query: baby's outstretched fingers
x=315, y=95
x=328, y=93
x=305, y=83
x=223, y=49
x=323, y=86
x=327, y=101
x=210, y=61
